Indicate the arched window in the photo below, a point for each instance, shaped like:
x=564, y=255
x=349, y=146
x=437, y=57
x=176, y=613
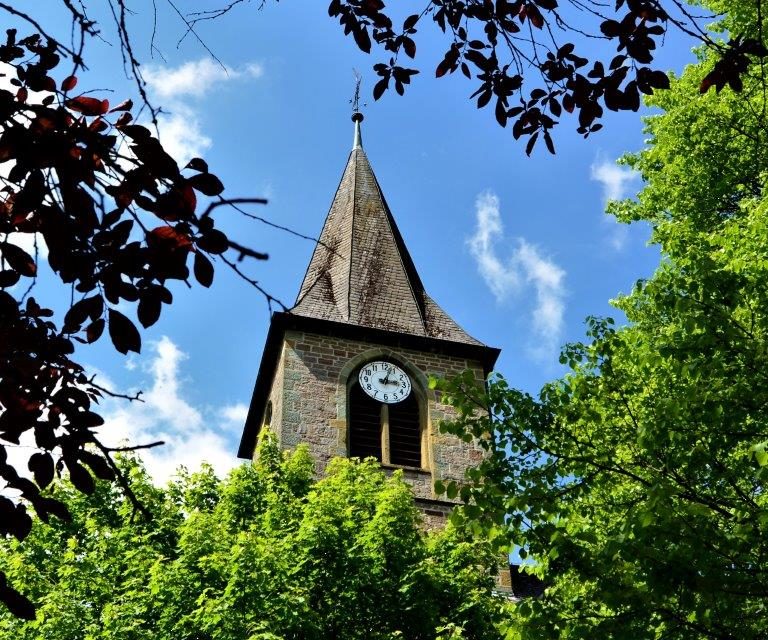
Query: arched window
x=391, y=433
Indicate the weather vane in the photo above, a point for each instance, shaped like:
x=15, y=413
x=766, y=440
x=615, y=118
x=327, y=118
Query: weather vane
x=355, y=101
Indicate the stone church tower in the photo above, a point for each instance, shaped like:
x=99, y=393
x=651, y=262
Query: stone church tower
x=345, y=370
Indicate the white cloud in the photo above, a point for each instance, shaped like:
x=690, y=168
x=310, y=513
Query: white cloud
x=191, y=434
x=501, y=278
x=547, y=279
x=616, y=182
x=182, y=135
x=164, y=395
x=195, y=78
x=523, y=268
x=614, y=178
x=235, y=413
x=183, y=91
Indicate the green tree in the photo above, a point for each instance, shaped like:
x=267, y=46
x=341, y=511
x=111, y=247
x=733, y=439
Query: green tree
x=636, y=482
x=266, y=553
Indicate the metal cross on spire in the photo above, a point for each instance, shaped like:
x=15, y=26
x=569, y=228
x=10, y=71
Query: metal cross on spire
x=355, y=101
x=357, y=117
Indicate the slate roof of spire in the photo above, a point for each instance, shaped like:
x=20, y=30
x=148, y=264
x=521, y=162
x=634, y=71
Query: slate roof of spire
x=361, y=272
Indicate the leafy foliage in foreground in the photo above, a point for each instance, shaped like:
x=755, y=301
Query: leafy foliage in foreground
x=519, y=57
x=264, y=554
x=637, y=482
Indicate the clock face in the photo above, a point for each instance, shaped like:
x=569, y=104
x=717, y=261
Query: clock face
x=385, y=382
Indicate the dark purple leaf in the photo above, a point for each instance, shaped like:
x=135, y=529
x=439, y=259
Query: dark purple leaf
x=207, y=184
x=203, y=270
x=149, y=308
x=41, y=466
x=123, y=332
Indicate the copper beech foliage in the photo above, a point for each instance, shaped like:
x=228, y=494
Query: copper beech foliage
x=507, y=47
x=119, y=219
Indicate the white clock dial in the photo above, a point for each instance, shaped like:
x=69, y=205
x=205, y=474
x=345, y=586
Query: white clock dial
x=385, y=382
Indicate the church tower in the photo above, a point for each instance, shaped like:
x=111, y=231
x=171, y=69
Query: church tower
x=345, y=370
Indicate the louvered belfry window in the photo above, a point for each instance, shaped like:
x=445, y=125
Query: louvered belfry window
x=391, y=433
x=364, y=425
x=405, y=433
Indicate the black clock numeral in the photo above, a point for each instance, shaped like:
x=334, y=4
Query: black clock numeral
x=386, y=397
x=368, y=386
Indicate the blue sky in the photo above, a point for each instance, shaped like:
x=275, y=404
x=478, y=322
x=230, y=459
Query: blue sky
x=516, y=249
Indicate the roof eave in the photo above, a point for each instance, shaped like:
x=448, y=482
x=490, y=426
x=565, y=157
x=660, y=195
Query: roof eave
x=264, y=378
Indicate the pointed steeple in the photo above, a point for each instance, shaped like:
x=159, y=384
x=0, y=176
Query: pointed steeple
x=361, y=272
x=361, y=292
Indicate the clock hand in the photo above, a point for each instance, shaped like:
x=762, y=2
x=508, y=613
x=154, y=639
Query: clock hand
x=386, y=380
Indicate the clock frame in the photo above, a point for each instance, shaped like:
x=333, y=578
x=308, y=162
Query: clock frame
x=385, y=382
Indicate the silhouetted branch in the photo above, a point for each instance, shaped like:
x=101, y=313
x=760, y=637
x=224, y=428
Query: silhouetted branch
x=112, y=394
x=212, y=14
x=233, y=202
x=191, y=29
x=135, y=447
x=122, y=480
x=246, y=252
x=254, y=283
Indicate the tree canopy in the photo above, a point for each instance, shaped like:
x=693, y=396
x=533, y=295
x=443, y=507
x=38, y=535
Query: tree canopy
x=636, y=482
x=536, y=61
x=266, y=553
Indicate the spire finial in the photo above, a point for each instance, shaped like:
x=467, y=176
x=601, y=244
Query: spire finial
x=357, y=117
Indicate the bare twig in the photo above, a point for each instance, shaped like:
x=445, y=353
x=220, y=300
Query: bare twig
x=112, y=394
x=135, y=447
x=212, y=14
x=254, y=283
x=233, y=202
x=122, y=480
x=191, y=29
x=246, y=252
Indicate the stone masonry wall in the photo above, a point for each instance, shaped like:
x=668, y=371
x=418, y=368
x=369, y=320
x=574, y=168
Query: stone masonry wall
x=309, y=398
